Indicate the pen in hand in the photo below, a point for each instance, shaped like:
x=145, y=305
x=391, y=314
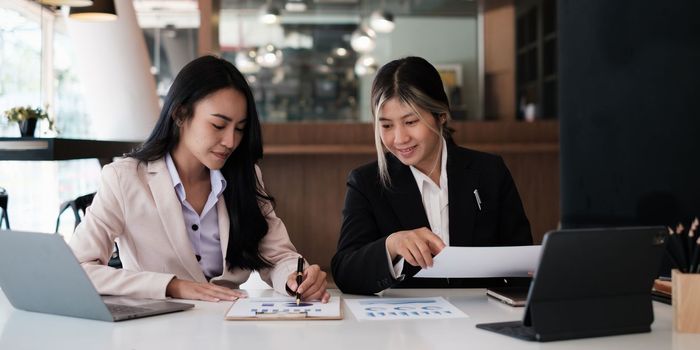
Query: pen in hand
x=300, y=274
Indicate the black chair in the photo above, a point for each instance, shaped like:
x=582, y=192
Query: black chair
x=79, y=205
x=3, y=204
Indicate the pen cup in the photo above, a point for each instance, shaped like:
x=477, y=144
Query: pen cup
x=686, y=301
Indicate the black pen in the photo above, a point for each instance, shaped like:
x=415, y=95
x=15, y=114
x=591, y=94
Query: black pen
x=300, y=274
x=685, y=249
x=671, y=251
x=692, y=239
x=677, y=250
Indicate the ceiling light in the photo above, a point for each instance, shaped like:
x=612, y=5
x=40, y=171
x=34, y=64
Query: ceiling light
x=295, y=6
x=365, y=65
x=269, y=14
x=382, y=21
x=245, y=62
x=269, y=56
x=296, y=40
x=100, y=10
x=170, y=31
x=341, y=52
x=71, y=3
x=363, y=40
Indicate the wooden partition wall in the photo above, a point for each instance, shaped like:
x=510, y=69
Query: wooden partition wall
x=306, y=165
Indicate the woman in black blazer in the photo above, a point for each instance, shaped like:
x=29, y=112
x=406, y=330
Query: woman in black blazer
x=423, y=194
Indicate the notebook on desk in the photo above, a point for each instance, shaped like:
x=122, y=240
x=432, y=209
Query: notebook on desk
x=40, y=273
x=590, y=283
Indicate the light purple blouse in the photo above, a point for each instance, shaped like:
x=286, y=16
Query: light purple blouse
x=203, y=230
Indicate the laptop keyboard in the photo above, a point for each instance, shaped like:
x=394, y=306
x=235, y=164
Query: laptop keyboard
x=116, y=309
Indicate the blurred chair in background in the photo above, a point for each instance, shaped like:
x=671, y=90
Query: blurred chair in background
x=4, y=197
x=79, y=206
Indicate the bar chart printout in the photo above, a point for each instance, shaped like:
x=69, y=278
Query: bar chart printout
x=403, y=309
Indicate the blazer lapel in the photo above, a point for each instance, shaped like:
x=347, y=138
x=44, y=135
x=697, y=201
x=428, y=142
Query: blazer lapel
x=405, y=197
x=170, y=212
x=462, y=180
x=224, y=226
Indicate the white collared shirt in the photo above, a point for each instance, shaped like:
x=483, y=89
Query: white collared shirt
x=203, y=230
x=435, y=203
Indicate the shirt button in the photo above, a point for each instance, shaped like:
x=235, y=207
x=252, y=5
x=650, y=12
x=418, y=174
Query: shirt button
x=195, y=227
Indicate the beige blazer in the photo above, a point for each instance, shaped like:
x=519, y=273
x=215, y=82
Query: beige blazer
x=137, y=207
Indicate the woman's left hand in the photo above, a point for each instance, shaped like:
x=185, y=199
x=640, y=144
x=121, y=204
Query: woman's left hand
x=313, y=285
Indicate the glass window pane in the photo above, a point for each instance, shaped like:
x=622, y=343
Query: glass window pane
x=69, y=107
x=304, y=67
x=20, y=62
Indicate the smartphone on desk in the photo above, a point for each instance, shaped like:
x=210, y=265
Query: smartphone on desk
x=513, y=296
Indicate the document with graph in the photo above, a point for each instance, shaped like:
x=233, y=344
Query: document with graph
x=276, y=308
x=403, y=309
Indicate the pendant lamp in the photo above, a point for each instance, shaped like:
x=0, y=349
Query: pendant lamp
x=100, y=10
x=71, y=3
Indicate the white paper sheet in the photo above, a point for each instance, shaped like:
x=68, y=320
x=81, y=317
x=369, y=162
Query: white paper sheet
x=472, y=262
x=376, y=309
x=250, y=307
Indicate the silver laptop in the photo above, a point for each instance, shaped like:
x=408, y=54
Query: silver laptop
x=39, y=273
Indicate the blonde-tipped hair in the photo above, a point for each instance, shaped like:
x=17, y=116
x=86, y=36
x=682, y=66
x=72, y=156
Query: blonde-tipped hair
x=417, y=84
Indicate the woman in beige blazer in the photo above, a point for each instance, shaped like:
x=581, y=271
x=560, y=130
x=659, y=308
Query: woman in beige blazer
x=188, y=208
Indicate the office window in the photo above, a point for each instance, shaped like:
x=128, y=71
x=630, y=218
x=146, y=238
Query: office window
x=23, y=27
x=536, y=41
x=303, y=67
x=37, y=188
x=312, y=82
x=68, y=99
x=20, y=47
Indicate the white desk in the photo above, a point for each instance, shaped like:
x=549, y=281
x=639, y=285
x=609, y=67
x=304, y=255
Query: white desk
x=204, y=328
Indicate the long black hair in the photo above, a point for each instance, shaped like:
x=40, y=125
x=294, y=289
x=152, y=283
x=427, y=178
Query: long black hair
x=244, y=195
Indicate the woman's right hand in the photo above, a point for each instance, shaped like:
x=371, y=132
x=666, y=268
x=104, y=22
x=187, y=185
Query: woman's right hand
x=417, y=246
x=183, y=289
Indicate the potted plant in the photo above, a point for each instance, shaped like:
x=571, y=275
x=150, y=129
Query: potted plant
x=27, y=118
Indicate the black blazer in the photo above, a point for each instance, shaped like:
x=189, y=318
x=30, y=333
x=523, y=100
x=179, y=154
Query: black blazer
x=372, y=213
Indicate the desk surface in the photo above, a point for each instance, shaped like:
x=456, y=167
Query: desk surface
x=204, y=328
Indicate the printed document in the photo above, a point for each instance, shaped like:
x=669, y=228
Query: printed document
x=474, y=262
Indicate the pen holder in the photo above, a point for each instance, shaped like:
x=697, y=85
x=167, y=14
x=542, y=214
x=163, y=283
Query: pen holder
x=686, y=301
